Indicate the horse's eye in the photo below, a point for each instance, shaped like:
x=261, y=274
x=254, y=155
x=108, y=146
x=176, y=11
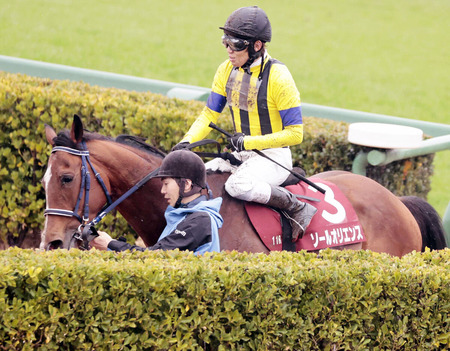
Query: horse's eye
x=66, y=179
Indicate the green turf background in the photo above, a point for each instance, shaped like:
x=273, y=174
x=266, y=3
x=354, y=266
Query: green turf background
x=387, y=57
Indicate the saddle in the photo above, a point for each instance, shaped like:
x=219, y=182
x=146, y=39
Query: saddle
x=334, y=225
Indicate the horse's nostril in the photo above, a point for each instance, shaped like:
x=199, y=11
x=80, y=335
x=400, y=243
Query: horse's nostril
x=55, y=244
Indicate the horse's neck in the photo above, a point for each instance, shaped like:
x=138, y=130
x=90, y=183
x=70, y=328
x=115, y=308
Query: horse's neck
x=124, y=167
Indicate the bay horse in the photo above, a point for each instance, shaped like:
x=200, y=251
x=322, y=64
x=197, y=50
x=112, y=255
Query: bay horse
x=118, y=165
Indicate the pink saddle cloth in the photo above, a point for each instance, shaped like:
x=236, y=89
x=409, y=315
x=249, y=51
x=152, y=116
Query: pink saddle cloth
x=334, y=224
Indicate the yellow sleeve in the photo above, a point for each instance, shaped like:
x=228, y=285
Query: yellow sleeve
x=291, y=135
x=283, y=90
x=200, y=128
x=214, y=106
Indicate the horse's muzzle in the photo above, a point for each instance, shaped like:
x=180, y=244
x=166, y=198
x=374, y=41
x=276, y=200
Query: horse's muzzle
x=55, y=244
x=73, y=243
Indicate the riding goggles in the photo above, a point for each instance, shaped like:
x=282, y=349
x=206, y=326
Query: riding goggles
x=234, y=44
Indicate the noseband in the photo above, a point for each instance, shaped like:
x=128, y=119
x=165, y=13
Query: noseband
x=85, y=232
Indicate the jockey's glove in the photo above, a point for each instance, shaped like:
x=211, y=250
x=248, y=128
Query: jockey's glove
x=181, y=146
x=237, y=142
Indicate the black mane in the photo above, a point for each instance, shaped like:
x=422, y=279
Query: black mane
x=139, y=143
x=63, y=139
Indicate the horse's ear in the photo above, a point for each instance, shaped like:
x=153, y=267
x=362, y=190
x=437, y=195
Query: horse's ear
x=50, y=135
x=76, y=134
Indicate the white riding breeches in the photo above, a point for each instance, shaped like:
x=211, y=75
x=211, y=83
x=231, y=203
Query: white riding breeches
x=251, y=180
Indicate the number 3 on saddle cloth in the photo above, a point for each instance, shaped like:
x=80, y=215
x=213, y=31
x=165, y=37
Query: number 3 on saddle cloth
x=335, y=223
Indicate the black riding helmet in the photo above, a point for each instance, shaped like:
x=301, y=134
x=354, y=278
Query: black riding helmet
x=252, y=24
x=181, y=165
x=249, y=23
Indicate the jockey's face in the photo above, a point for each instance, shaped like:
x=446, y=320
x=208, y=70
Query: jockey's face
x=170, y=190
x=237, y=58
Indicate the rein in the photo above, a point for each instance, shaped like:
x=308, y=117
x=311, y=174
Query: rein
x=86, y=231
x=224, y=155
x=299, y=176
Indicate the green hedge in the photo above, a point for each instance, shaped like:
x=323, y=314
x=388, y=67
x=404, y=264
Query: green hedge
x=339, y=300
x=26, y=103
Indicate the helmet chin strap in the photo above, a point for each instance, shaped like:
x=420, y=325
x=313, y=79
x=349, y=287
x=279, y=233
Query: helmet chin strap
x=181, y=184
x=252, y=57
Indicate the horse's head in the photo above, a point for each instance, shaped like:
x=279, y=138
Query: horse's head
x=68, y=182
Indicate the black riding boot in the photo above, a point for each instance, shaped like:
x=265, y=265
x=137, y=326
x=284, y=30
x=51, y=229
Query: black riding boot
x=299, y=213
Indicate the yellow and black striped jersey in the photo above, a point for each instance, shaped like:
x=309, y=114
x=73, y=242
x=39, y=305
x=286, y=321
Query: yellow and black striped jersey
x=265, y=105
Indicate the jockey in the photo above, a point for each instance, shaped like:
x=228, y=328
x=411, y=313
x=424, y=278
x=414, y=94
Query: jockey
x=266, y=112
x=193, y=220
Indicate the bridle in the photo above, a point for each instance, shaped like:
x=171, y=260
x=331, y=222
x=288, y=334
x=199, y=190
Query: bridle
x=86, y=232
x=84, y=189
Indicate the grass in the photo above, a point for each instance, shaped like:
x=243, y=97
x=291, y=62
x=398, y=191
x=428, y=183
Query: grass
x=387, y=57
